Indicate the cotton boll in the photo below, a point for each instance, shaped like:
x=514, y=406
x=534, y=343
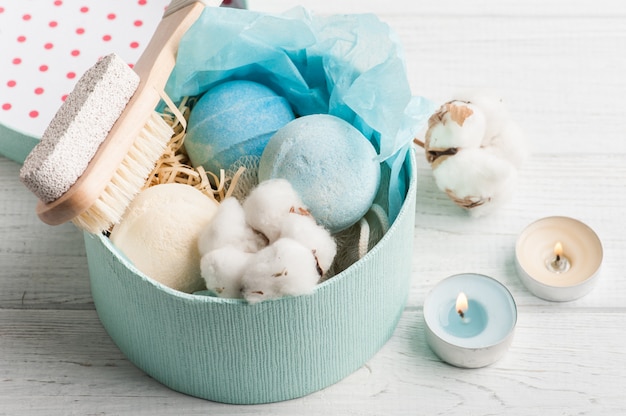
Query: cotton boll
x=284, y=268
x=476, y=174
x=268, y=204
x=229, y=227
x=476, y=179
x=456, y=124
x=223, y=268
x=503, y=136
x=313, y=236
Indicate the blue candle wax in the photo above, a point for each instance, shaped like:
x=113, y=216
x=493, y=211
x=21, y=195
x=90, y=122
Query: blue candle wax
x=483, y=333
x=472, y=323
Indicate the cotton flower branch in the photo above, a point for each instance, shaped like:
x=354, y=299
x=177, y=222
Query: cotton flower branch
x=475, y=150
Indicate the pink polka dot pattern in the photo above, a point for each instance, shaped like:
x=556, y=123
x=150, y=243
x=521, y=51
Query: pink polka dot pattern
x=47, y=45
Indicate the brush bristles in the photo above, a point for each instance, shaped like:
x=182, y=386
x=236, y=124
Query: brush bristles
x=129, y=178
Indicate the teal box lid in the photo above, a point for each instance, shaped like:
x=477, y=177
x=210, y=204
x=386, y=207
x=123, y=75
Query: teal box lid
x=14, y=144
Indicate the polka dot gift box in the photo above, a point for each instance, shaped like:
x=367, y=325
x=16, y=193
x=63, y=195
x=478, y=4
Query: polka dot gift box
x=46, y=45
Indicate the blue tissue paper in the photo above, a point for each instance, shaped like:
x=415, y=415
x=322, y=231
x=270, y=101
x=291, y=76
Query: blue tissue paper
x=349, y=66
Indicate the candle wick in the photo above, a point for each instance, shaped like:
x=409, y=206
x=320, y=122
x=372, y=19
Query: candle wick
x=461, y=313
x=558, y=263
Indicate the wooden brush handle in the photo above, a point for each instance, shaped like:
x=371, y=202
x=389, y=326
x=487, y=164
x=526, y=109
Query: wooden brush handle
x=154, y=68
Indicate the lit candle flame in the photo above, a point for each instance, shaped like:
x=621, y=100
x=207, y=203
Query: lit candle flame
x=559, y=263
x=558, y=249
x=461, y=304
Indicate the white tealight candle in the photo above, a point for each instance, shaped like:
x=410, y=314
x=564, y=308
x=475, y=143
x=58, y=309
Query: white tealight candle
x=558, y=258
x=470, y=320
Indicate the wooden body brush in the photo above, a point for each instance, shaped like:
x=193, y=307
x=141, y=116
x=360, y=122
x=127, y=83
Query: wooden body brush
x=104, y=141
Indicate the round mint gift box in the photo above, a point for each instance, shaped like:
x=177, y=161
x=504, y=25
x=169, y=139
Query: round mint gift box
x=226, y=350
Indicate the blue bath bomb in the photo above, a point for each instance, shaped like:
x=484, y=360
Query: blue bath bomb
x=329, y=163
x=231, y=120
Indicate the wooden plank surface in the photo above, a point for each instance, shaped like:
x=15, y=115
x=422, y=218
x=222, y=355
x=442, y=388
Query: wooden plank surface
x=562, y=73
x=61, y=362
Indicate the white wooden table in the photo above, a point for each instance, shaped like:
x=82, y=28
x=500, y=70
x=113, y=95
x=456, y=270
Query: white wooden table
x=561, y=67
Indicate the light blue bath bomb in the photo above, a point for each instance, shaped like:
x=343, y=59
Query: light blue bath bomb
x=329, y=163
x=231, y=120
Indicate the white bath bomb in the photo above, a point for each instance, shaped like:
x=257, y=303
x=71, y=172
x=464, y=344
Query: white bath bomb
x=159, y=234
x=329, y=163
